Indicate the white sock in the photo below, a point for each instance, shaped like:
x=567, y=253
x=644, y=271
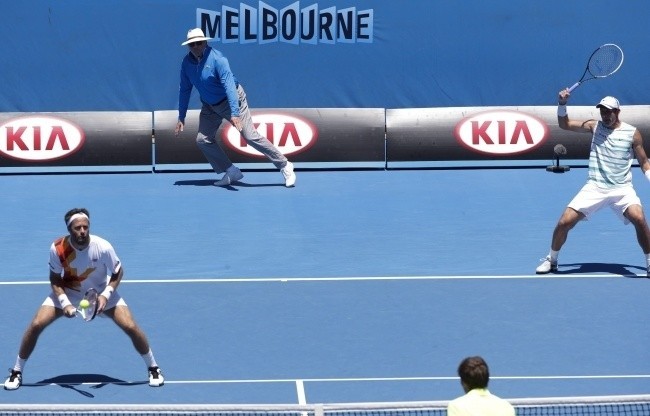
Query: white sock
x=149, y=359
x=647, y=260
x=20, y=364
x=553, y=255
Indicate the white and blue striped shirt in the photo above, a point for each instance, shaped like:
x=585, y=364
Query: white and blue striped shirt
x=611, y=156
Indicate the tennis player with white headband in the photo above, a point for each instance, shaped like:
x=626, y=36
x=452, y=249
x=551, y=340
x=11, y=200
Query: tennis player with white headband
x=79, y=261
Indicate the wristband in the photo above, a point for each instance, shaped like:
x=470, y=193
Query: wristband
x=647, y=174
x=107, y=292
x=561, y=110
x=64, y=301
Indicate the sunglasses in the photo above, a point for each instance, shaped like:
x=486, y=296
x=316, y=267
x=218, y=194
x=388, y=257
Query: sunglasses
x=194, y=44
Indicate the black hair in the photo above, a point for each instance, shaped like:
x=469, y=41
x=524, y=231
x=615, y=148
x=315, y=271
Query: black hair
x=73, y=211
x=474, y=373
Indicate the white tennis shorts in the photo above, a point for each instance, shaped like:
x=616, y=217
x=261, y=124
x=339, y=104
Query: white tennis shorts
x=591, y=198
x=75, y=298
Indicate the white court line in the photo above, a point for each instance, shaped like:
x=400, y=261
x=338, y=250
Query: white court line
x=344, y=279
x=433, y=378
x=300, y=388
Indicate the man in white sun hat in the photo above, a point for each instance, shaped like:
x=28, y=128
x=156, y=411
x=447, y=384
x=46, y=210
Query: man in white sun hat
x=614, y=145
x=223, y=97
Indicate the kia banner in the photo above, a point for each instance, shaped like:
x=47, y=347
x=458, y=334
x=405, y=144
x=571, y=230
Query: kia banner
x=492, y=133
x=354, y=137
x=304, y=135
x=75, y=139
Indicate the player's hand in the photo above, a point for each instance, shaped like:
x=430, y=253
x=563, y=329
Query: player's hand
x=236, y=122
x=101, y=304
x=69, y=311
x=179, y=127
x=563, y=96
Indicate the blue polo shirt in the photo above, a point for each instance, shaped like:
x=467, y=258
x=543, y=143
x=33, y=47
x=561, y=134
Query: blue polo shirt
x=212, y=78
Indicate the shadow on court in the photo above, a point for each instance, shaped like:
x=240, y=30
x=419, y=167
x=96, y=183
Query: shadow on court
x=238, y=184
x=94, y=381
x=199, y=182
x=624, y=270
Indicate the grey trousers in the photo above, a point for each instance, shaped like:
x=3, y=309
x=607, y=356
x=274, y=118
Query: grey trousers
x=210, y=119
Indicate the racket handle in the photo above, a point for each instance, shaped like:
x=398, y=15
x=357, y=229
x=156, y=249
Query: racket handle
x=574, y=86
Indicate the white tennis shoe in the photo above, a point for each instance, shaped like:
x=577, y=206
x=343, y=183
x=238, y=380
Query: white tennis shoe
x=232, y=175
x=547, y=266
x=156, y=378
x=289, y=175
x=14, y=380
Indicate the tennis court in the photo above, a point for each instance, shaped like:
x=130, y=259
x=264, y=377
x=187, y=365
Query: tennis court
x=355, y=286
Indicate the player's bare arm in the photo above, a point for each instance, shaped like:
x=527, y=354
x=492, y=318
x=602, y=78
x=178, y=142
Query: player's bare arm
x=114, y=281
x=563, y=121
x=58, y=289
x=639, y=151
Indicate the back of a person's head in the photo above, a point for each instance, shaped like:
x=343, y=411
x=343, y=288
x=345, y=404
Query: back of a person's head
x=474, y=373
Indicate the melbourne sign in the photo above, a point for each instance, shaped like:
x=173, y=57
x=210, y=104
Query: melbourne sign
x=292, y=24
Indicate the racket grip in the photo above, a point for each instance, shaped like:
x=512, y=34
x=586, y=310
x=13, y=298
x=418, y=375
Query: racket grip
x=574, y=86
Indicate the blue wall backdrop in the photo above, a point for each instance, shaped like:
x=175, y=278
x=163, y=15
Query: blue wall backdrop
x=124, y=55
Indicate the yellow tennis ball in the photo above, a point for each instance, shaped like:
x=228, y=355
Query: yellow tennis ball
x=84, y=304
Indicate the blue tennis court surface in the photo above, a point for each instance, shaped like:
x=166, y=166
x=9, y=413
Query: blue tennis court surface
x=352, y=287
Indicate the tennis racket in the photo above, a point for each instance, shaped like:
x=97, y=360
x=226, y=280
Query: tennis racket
x=89, y=313
x=602, y=63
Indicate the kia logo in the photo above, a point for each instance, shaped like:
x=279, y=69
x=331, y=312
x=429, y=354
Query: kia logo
x=40, y=138
x=288, y=133
x=501, y=132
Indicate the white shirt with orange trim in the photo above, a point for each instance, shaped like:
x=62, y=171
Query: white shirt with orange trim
x=83, y=269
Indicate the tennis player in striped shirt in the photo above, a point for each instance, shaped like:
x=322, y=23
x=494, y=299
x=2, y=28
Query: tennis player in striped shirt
x=614, y=145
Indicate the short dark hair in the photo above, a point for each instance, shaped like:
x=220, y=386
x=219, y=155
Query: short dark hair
x=474, y=373
x=73, y=211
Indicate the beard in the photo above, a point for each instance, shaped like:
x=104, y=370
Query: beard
x=82, y=240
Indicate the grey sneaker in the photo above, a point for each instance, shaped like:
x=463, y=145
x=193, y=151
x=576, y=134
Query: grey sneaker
x=289, y=175
x=232, y=175
x=156, y=378
x=547, y=266
x=14, y=380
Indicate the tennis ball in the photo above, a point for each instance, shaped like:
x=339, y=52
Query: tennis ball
x=84, y=304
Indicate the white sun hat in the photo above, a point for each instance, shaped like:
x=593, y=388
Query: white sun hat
x=195, y=35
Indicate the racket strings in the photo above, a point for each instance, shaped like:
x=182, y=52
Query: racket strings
x=606, y=61
x=92, y=310
x=89, y=313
